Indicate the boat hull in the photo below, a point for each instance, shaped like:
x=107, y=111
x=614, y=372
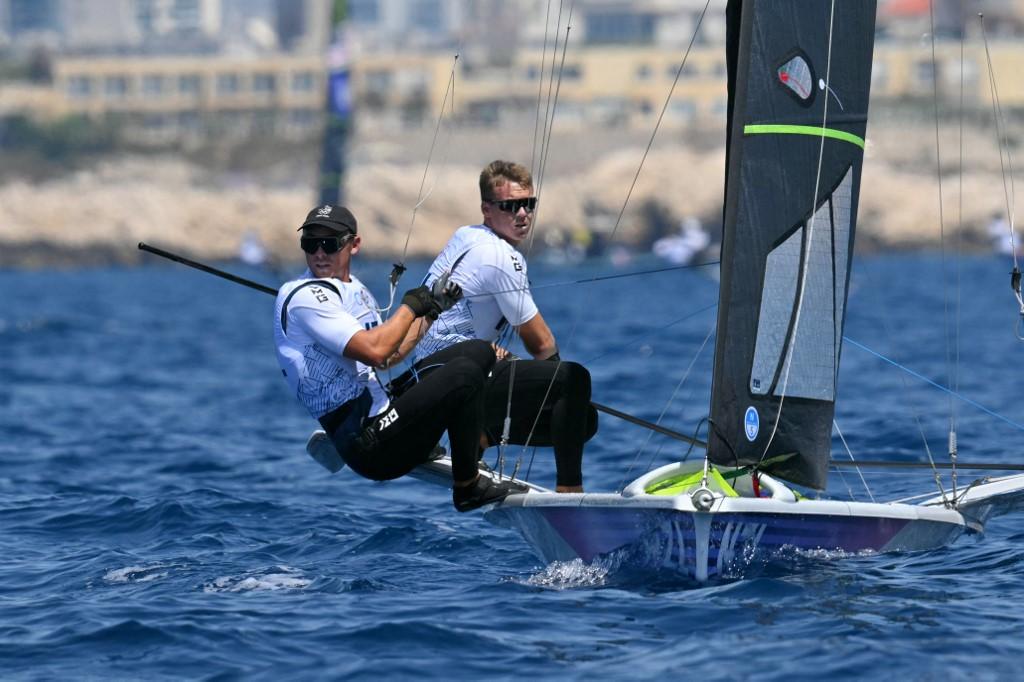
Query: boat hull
x=657, y=533
x=668, y=532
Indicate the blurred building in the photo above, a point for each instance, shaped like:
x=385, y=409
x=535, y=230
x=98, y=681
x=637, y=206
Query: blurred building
x=915, y=19
x=303, y=25
x=35, y=21
x=173, y=69
x=112, y=25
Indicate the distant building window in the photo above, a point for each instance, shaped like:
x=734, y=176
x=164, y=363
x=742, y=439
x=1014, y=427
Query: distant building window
x=264, y=83
x=363, y=11
x=153, y=85
x=115, y=87
x=572, y=72
x=532, y=72
x=190, y=121
x=689, y=70
x=227, y=83
x=610, y=111
x=185, y=15
x=264, y=122
x=79, y=87
x=304, y=81
x=156, y=122
x=32, y=15
x=643, y=72
x=189, y=84
x=719, y=69
x=621, y=27
x=302, y=119
x=378, y=81
x=682, y=111
x=145, y=15
x=427, y=15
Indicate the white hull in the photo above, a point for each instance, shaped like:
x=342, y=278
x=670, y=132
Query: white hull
x=727, y=528
x=670, y=532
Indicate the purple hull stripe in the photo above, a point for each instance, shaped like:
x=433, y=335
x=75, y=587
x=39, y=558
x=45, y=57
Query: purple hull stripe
x=592, y=532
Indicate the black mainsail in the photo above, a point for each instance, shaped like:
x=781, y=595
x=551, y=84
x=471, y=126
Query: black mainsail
x=799, y=81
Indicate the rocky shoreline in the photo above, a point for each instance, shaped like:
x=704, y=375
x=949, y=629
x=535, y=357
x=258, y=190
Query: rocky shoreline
x=98, y=215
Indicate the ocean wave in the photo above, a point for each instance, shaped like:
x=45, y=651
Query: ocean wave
x=272, y=579
x=136, y=574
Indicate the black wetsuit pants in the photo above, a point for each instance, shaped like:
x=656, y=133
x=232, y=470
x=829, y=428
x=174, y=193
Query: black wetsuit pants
x=550, y=408
x=449, y=398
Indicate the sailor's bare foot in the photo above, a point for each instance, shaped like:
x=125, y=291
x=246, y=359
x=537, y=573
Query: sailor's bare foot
x=568, y=488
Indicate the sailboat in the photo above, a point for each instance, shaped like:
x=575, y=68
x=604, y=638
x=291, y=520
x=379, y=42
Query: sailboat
x=799, y=83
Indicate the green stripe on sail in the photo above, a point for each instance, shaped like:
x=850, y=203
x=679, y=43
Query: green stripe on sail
x=815, y=131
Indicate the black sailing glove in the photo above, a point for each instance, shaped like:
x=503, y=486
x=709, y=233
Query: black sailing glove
x=422, y=303
x=445, y=293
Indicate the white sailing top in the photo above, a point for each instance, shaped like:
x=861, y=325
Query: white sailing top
x=312, y=336
x=495, y=289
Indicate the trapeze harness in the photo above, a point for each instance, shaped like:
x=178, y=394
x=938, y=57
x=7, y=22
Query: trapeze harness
x=412, y=376
x=344, y=423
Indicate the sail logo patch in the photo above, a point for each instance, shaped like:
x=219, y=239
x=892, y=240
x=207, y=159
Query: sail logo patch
x=796, y=75
x=751, y=424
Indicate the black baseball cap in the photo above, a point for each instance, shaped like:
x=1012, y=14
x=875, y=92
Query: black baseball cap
x=337, y=218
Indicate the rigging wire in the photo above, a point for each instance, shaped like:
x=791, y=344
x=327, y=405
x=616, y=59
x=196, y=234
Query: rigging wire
x=955, y=379
x=603, y=278
x=852, y=459
x=546, y=146
x=536, y=420
x=546, y=149
x=552, y=104
x=554, y=89
x=540, y=86
x=1008, y=189
x=938, y=182
x=664, y=410
x=942, y=243
x=265, y=289
x=657, y=125
x=808, y=242
x=925, y=379
x=538, y=180
x=648, y=333
x=421, y=197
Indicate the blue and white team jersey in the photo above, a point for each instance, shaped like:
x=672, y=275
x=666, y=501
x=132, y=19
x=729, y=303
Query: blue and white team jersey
x=321, y=318
x=495, y=289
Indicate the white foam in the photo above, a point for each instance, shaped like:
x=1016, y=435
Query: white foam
x=135, y=574
x=829, y=554
x=562, y=575
x=289, y=579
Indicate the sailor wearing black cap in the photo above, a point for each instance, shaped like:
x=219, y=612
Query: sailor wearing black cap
x=330, y=338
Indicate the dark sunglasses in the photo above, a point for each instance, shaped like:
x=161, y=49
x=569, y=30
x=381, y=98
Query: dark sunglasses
x=328, y=244
x=513, y=205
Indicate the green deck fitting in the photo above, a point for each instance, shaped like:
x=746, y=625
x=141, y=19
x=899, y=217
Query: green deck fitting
x=684, y=483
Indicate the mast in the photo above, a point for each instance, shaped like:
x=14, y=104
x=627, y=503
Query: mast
x=338, y=109
x=799, y=81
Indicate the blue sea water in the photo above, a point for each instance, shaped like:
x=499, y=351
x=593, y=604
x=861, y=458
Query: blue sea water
x=159, y=518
